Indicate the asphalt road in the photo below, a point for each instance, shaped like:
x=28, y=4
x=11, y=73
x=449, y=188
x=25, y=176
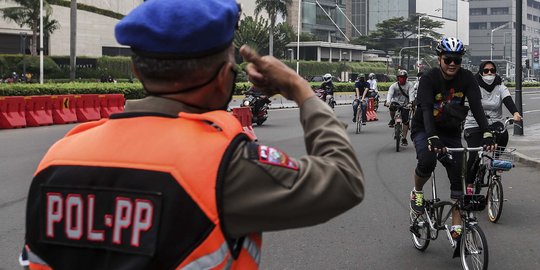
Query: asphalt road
x=373, y=235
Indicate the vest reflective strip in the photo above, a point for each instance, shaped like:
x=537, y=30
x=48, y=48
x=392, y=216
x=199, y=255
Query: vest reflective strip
x=211, y=260
x=252, y=249
x=33, y=258
x=217, y=257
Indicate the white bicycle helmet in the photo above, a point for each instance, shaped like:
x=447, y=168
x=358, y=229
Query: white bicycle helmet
x=450, y=45
x=327, y=77
x=402, y=73
x=371, y=76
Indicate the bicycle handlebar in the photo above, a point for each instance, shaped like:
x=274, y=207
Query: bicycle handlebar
x=464, y=149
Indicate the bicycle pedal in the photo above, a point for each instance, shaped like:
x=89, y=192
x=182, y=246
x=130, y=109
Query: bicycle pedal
x=414, y=231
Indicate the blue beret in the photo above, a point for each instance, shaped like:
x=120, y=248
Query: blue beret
x=179, y=29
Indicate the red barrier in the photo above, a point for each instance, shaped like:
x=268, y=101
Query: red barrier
x=243, y=114
x=38, y=111
x=370, y=110
x=87, y=107
x=111, y=103
x=63, y=109
x=12, y=112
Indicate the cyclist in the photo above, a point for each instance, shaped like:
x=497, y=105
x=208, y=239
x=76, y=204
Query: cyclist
x=399, y=92
x=494, y=95
x=412, y=97
x=441, y=89
x=361, y=87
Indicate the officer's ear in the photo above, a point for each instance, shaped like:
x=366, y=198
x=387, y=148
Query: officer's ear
x=225, y=78
x=136, y=72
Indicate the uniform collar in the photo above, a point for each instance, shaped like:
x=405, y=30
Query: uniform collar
x=160, y=105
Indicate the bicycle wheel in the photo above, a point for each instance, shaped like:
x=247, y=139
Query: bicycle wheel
x=397, y=135
x=473, y=249
x=420, y=231
x=495, y=199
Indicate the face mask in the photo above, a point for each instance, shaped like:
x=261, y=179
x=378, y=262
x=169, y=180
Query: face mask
x=488, y=79
x=402, y=80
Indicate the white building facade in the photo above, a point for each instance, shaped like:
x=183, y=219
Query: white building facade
x=95, y=33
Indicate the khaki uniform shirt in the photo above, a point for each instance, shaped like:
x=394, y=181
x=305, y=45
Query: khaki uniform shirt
x=263, y=197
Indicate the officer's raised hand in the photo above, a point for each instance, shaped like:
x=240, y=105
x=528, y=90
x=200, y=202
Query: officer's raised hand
x=273, y=77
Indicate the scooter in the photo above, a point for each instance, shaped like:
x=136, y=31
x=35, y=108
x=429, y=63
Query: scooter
x=326, y=97
x=259, y=107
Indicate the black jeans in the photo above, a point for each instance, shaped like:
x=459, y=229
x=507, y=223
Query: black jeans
x=474, y=137
x=427, y=160
x=363, y=106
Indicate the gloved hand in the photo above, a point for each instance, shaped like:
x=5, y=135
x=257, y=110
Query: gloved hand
x=435, y=144
x=489, y=142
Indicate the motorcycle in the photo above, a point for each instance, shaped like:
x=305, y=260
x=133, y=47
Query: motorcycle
x=326, y=97
x=259, y=105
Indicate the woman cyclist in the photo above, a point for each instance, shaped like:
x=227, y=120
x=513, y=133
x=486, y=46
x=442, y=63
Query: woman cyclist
x=494, y=95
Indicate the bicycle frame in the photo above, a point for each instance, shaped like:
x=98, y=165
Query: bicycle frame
x=473, y=248
x=436, y=208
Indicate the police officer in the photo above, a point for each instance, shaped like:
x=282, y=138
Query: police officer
x=174, y=182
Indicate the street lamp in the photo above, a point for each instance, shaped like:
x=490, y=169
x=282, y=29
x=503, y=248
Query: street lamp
x=491, y=39
x=418, y=58
x=41, y=41
x=298, y=37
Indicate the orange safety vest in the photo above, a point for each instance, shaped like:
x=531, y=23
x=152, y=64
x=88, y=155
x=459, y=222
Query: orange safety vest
x=139, y=192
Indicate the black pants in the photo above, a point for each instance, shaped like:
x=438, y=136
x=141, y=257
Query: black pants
x=404, y=113
x=363, y=106
x=474, y=136
x=427, y=160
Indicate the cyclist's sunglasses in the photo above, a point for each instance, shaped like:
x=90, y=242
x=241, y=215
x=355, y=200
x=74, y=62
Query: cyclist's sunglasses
x=488, y=70
x=449, y=59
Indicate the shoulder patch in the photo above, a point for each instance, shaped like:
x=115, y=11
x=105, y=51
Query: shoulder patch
x=276, y=157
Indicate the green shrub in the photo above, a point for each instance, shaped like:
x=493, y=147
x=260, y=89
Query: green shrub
x=309, y=69
x=130, y=90
x=32, y=65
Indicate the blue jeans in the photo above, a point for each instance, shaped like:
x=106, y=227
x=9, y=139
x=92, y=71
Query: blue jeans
x=363, y=106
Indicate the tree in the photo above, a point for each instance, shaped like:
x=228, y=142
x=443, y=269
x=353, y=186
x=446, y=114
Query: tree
x=396, y=33
x=283, y=35
x=27, y=14
x=273, y=8
x=253, y=32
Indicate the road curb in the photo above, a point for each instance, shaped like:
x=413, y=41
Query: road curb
x=526, y=160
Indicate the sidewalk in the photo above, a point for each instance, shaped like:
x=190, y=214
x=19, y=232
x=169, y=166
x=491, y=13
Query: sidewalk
x=527, y=146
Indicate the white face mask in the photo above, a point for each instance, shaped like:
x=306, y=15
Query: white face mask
x=488, y=79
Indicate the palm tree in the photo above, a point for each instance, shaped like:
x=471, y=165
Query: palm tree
x=273, y=8
x=253, y=32
x=27, y=14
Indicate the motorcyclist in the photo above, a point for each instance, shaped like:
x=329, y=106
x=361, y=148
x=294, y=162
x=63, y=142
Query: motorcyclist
x=361, y=88
x=327, y=84
x=260, y=99
x=399, y=92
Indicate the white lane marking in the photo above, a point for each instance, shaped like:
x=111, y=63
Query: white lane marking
x=532, y=111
